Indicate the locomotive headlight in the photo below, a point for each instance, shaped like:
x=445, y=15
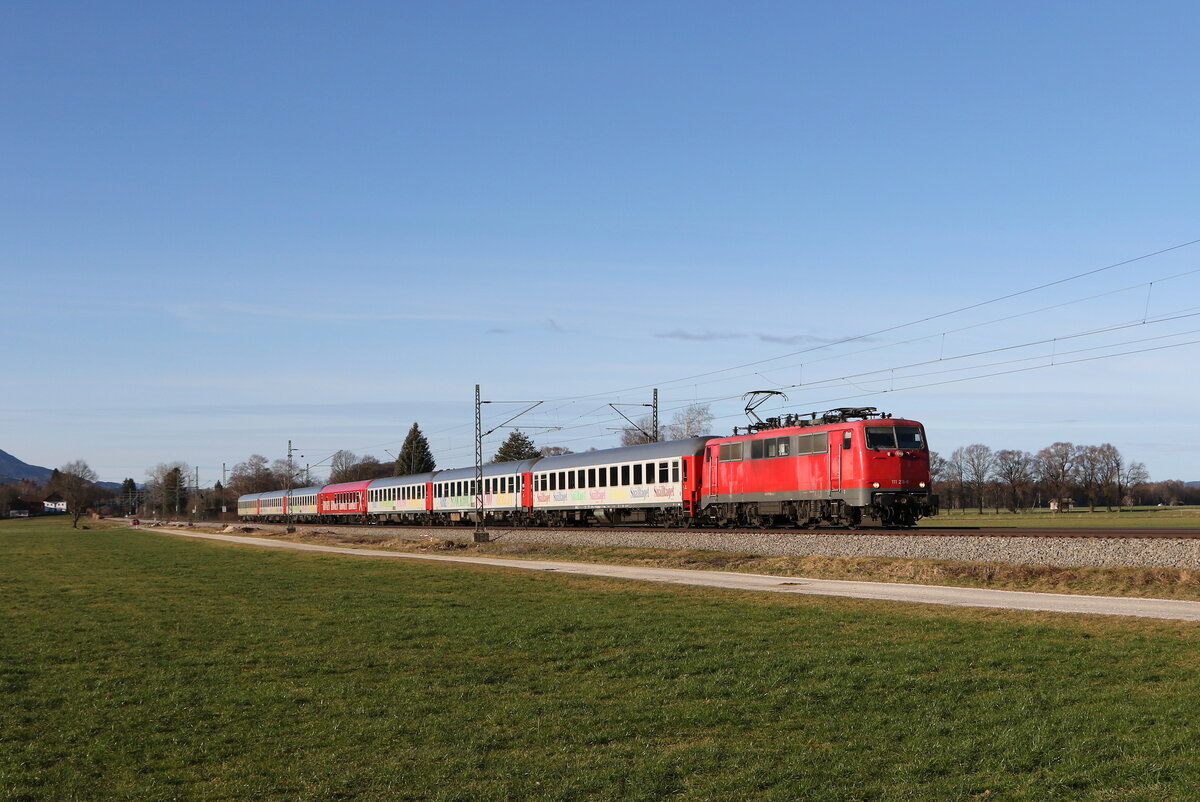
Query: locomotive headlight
x=920, y=484
x=874, y=484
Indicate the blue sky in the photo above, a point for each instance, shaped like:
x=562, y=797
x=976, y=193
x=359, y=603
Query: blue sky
x=223, y=226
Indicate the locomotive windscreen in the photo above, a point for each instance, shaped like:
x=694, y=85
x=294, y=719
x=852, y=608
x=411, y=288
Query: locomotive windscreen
x=895, y=437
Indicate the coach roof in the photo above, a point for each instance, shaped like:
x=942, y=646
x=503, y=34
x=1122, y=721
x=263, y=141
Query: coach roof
x=491, y=469
x=396, y=481
x=691, y=447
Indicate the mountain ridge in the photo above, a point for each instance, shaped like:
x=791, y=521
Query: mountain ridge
x=13, y=469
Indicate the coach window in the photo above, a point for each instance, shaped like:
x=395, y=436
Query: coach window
x=613, y=478
x=675, y=471
x=602, y=476
x=591, y=477
x=663, y=473
x=625, y=475
x=514, y=486
x=637, y=474
x=570, y=480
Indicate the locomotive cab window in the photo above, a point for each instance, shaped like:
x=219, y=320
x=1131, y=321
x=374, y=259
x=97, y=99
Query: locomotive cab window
x=908, y=437
x=881, y=437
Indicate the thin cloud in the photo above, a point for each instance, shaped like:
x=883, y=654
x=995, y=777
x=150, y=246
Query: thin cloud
x=706, y=336
x=797, y=339
x=711, y=336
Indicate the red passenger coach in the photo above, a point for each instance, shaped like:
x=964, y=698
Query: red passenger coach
x=841, y=466
x=346, y=501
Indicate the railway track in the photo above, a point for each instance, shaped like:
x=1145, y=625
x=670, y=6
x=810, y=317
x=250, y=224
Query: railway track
x=398, y=530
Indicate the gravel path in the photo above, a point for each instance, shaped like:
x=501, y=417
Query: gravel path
x=925, y=594
x=1040, y=549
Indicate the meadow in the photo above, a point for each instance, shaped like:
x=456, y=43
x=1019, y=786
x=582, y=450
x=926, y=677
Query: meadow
x=1078, y=518
x=136, y=665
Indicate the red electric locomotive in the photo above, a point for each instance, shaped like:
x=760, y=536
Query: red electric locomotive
x=843, y=467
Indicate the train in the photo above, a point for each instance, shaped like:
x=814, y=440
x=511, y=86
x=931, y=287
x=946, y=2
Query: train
x=847, y=467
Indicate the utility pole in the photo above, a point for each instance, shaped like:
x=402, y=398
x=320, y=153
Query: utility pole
x=651, y=436
x=287, y=497
x=655, y=413
x=223, y=486
x=481, y=534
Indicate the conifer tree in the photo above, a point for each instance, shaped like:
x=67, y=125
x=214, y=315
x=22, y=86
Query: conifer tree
x=415, y=456
x=518, y=446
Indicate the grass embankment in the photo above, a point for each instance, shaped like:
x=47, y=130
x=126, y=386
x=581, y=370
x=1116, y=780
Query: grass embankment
x=1158, y=583
x=148, y=667
x=1079, y=518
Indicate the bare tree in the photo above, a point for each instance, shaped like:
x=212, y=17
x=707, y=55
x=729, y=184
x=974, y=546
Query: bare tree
x=346, y=467
x=641, y=432
x=1014, y=470
x=977, y=460
x=340, y=466
x=955, y=471
x=1090, y=472
x=1111, y=468
x=166, y=486
x=554, y=451
x=252, y=476
x=1056, y=468
x=691, y=421
x=77, y=486
x=1133, y=477
x=937, y=467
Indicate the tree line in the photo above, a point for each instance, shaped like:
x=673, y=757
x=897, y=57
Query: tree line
x=1059, y=475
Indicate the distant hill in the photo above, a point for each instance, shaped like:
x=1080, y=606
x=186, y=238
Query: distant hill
x=12, y=469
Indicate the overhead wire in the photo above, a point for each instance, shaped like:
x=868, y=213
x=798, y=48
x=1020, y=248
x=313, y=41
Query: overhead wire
x=557, y=405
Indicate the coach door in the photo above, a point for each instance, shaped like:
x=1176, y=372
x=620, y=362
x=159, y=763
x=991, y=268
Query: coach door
x=839, y=454
x=711, y=463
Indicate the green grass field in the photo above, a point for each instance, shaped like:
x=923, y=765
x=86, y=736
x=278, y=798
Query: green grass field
x=1082, y=517
x=136, y=665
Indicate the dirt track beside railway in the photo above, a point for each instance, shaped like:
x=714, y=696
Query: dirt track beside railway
x=922, y=594
x=1097, y=548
